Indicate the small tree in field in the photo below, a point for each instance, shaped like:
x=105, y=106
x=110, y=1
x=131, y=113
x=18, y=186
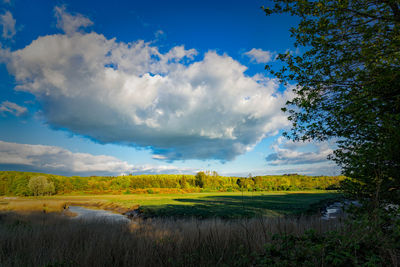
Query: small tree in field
x=40, y=186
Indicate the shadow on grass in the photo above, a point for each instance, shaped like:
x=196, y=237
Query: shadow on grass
x=242, y=206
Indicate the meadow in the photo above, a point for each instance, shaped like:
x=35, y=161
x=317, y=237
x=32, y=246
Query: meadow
x=203, y=195
x=226, y=205
x=196, y=225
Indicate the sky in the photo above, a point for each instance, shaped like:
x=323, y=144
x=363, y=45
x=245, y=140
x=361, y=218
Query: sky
x=134, y=87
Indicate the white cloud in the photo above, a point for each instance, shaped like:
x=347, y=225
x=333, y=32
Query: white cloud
x=70, y=23
x=161, y=157
x=133, y=94
x=308, y=158
x=327, y=168
x=259, y=55
x=8, y=23
x=158, y=34
x=12, y=108
x=165, y=169
x=289, y=152
x=56, y=159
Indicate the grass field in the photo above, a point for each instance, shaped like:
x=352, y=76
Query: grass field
x=200, y=205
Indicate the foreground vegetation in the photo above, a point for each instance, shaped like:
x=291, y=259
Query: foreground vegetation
x=199, y=205
x=50, y=240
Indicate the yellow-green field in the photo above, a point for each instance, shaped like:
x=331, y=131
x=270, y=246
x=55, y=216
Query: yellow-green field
x=201, y=205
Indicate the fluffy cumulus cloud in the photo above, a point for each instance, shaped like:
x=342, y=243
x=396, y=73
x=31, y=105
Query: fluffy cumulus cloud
x=287, y=152
x=259, y=55
x=8, y=22
x=56, y=159
x=12, y=108
x=176, y=104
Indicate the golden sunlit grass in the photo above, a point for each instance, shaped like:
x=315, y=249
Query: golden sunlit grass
x=29, y=205
x=56, y=205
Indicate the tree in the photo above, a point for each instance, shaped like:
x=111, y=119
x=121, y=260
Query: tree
x=240, y=182
x=40, y=186
x=200, y=179
x=348, y=88
x=49, y=188
x=183, y=182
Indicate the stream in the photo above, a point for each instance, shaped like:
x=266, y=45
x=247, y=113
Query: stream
x=333, y=211
x=336, y=209
x=97, y=214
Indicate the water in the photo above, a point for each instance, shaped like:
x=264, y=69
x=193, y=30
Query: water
x=91, y=214
x=336, y=210
x=333, y=211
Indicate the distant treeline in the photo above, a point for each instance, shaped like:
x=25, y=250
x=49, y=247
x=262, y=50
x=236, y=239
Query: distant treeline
x=26, y=183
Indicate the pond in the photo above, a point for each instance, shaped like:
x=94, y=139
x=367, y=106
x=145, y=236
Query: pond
x=97, y=214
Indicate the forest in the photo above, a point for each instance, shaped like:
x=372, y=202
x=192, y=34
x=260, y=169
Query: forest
x=23, y=183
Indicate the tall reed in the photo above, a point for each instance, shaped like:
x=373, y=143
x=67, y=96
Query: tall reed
x=41, y=239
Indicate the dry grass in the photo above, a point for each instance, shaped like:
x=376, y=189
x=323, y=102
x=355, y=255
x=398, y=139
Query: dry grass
x=24, y=205
x=27, y=205
x=52, y=240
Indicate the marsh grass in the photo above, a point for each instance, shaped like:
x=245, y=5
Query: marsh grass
x=41, y=239
x=28, y=205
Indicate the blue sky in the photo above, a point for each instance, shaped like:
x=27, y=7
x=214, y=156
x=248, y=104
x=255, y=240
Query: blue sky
x=97, y=87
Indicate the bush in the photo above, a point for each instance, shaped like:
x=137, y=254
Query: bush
x=365, y=241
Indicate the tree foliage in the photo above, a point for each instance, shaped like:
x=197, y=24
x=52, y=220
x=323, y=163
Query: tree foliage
x=27, y=183
x=40, y=186
x=348, y=87
x=200, y=179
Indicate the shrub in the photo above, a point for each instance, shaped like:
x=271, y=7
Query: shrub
x=150, y=191
x=365, y=241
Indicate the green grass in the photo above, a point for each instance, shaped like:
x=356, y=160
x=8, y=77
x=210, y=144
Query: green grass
x=236, y=206
x=218, y=204
x=199, y=205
